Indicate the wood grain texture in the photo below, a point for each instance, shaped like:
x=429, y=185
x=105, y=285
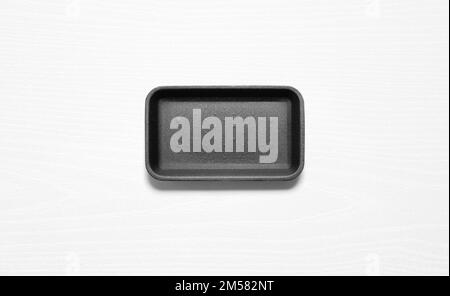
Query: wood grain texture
x=74, y=194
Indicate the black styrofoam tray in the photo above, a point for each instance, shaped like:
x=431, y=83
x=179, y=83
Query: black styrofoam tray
x=224, y=133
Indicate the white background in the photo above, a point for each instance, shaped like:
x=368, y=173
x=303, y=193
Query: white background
x=74, y=194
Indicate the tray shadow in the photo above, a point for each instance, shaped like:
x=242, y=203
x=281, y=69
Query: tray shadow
x=222, y=185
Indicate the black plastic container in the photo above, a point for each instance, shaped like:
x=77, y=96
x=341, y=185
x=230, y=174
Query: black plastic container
x=224, y=133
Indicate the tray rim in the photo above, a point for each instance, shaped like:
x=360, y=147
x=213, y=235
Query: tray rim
x=287, y=177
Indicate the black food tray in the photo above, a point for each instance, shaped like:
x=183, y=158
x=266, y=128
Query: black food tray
x=224, y=133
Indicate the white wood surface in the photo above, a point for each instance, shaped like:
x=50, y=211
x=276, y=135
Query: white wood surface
x=74, y=194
